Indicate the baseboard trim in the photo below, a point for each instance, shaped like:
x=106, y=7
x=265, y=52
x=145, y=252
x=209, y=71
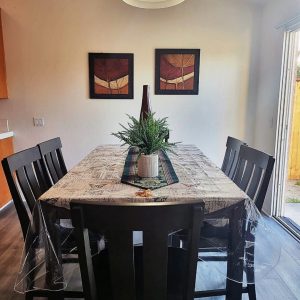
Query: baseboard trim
x=289, y=227
x=4, y=207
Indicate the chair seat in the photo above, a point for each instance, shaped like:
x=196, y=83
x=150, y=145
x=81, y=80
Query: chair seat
x=214, y=235
x=212, y=244
x=68, y=241
x=176, y=263
x=215, y=228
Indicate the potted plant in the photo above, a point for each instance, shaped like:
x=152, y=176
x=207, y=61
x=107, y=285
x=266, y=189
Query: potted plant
x=149, y=136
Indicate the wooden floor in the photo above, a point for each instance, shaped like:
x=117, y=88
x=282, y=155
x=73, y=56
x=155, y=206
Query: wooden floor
x=282, y=283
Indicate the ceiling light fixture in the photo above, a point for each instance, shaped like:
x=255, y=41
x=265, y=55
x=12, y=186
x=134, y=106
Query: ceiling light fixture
x=153, y=4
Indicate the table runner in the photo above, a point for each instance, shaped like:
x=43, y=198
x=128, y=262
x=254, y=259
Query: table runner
x=165, y=177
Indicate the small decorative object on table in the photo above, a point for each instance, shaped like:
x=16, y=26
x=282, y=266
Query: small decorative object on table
x=148, y=137
x=166, y=172
x=146, y=106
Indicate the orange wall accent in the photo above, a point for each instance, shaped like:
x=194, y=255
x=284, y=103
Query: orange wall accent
x=6, y=148
x=294, y=151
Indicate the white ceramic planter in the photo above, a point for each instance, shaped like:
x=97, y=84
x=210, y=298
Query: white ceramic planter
x=148, y=165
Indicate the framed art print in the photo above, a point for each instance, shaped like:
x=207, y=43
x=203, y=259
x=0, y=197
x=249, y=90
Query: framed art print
x=177, y=71
x=111, y=75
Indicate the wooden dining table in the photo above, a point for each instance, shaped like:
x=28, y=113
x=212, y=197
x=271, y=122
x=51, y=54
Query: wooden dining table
x=97, y=178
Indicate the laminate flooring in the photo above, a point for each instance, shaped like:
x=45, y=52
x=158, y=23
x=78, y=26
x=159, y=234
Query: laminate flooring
x=283, y=282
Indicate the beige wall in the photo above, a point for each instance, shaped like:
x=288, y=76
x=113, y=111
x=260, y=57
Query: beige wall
x=47, y=44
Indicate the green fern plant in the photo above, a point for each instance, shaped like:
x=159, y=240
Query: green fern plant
x=148, y=134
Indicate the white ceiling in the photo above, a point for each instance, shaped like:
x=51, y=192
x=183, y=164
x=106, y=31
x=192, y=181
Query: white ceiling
x=260, y=1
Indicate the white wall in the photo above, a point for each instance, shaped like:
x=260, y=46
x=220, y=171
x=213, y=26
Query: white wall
x=275, y=13
x=47, y=44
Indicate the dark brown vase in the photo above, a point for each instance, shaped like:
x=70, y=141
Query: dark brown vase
x=145, y=108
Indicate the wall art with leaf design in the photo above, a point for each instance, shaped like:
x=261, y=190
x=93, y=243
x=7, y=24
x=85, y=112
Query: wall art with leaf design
x=111, y=75
x=177, y=71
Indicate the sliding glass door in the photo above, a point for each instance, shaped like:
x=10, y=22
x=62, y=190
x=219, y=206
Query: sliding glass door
x=286, y=187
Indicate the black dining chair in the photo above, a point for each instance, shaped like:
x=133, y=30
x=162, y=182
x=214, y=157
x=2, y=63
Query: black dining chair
x=51, y=153
x=252, y=174
x=127, y=272
x=231, y=155
x=28, y=179
x=228, y=167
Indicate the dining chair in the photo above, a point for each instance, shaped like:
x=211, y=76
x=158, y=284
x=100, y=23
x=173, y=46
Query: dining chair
x=231, y=156
x=228, y=167
x=127, y=272
x=253, y=172
x=28, y=179
x=51, y=154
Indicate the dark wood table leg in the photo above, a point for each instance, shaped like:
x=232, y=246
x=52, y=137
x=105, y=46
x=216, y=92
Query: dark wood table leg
x=236, y=248
x=250, y=252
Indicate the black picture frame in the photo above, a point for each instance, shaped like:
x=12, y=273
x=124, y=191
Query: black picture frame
x=164, y=68
x=111, y=75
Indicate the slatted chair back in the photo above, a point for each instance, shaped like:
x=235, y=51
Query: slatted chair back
x=231, y=155
x=27, y=179
x=118, y=223
x=51, y=153
x=253, y=173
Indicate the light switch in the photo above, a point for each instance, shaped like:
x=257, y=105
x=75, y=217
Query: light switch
x=38, y=122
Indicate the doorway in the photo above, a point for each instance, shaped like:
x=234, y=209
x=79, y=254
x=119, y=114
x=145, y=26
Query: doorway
x=291, y=211
x=286, y=185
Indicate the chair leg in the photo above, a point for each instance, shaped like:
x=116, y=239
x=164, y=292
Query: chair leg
x=251, y=291
x=56, y=296
x=28, y=296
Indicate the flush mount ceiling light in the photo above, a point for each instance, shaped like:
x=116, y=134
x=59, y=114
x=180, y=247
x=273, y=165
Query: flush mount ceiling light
x=153, y=4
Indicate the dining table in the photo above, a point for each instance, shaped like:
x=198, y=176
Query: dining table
x=97, y=178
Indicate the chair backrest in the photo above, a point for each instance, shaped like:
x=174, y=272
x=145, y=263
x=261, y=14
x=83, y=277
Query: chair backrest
x=117, y=223
x=253, y=173
x=231, y=155
x=51, y=153
x=27, y=179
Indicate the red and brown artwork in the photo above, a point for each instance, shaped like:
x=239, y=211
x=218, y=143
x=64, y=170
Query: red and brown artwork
x=177, y=71
x=111, y=76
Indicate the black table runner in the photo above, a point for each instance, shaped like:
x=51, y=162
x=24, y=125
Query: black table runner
x=165, y=177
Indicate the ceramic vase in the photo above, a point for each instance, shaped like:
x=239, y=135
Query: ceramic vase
x=148, y=165
x=146, y=107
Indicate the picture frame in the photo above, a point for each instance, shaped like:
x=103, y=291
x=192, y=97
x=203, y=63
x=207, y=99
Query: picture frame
x=111, y=75
x=177, y=71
